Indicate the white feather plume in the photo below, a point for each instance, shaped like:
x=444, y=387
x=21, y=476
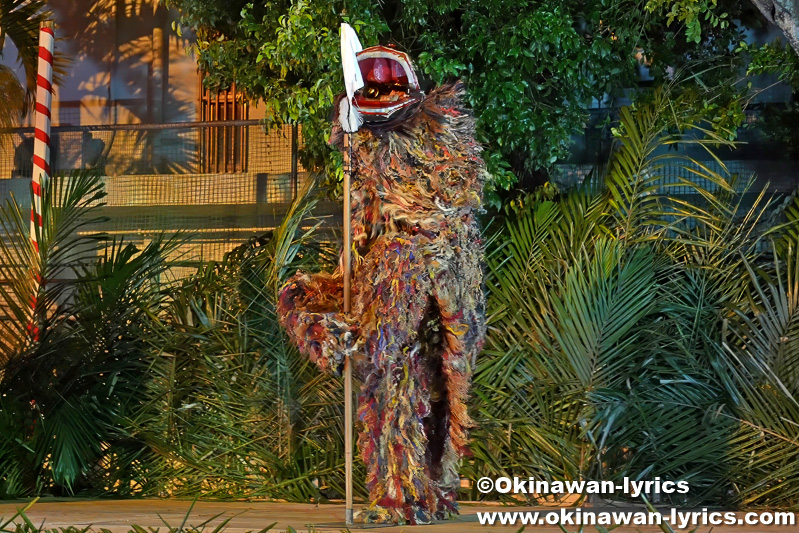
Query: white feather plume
x=349, y=116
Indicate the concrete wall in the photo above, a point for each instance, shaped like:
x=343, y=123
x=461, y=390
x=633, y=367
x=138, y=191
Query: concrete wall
x=127, y=64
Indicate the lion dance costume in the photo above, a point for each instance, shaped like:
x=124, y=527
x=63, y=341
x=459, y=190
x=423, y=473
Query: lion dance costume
x=418, y=312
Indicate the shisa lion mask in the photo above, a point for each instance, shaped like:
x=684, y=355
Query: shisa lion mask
x=418, y=311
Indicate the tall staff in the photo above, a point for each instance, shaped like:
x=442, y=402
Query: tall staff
x=350, y=121
x=41, y=151
x=348, y=516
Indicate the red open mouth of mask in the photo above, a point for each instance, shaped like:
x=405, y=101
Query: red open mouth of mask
x=390, y=84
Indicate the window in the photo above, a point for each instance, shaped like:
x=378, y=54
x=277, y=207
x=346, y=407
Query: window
x=223, y=147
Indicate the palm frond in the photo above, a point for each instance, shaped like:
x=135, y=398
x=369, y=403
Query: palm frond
x=19, y=22
x=647, y=164
x=14, y=102
x=69, y=205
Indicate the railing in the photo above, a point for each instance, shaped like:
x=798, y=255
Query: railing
x=779, y=175
x=178, y=148
x=220, y=181
x=225, y=181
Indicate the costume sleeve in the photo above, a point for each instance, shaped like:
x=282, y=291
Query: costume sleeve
x=309, y=309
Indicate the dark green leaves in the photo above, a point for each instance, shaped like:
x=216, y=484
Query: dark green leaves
x=532, y=68
x=633, y=333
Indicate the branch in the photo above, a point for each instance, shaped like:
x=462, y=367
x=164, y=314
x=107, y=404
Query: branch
x=785, y=15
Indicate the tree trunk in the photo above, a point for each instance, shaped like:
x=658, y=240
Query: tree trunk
x=785, y=15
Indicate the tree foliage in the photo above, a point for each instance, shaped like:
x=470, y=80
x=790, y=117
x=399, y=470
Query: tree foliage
x=532, y=68
x=632, y=332
x=711, y=13
x=230, y=407
x=19, y=23
x=68, y=387
x=647, y=336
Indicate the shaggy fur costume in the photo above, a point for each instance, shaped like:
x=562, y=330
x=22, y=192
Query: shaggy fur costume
x=417, y=317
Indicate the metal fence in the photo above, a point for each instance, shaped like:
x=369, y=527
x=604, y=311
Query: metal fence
x=779, y=176
x=222, y=182
x=191, y=148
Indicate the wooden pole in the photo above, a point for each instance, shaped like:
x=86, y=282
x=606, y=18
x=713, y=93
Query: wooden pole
x=347, y=157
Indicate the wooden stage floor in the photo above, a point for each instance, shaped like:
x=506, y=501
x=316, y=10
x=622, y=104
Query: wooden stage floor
x=118, y=516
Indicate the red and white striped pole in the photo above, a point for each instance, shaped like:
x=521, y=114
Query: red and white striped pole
x=41, y=144
x=41, y=149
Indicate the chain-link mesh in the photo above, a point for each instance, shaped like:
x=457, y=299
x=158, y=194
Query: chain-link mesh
x=221, y=182
x=778, y=175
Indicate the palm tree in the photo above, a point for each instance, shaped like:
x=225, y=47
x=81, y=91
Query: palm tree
x=638, y=333
x=67, y=390
x=19, y=22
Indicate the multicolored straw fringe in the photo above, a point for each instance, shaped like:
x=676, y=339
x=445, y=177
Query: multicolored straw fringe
x=418, y=317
